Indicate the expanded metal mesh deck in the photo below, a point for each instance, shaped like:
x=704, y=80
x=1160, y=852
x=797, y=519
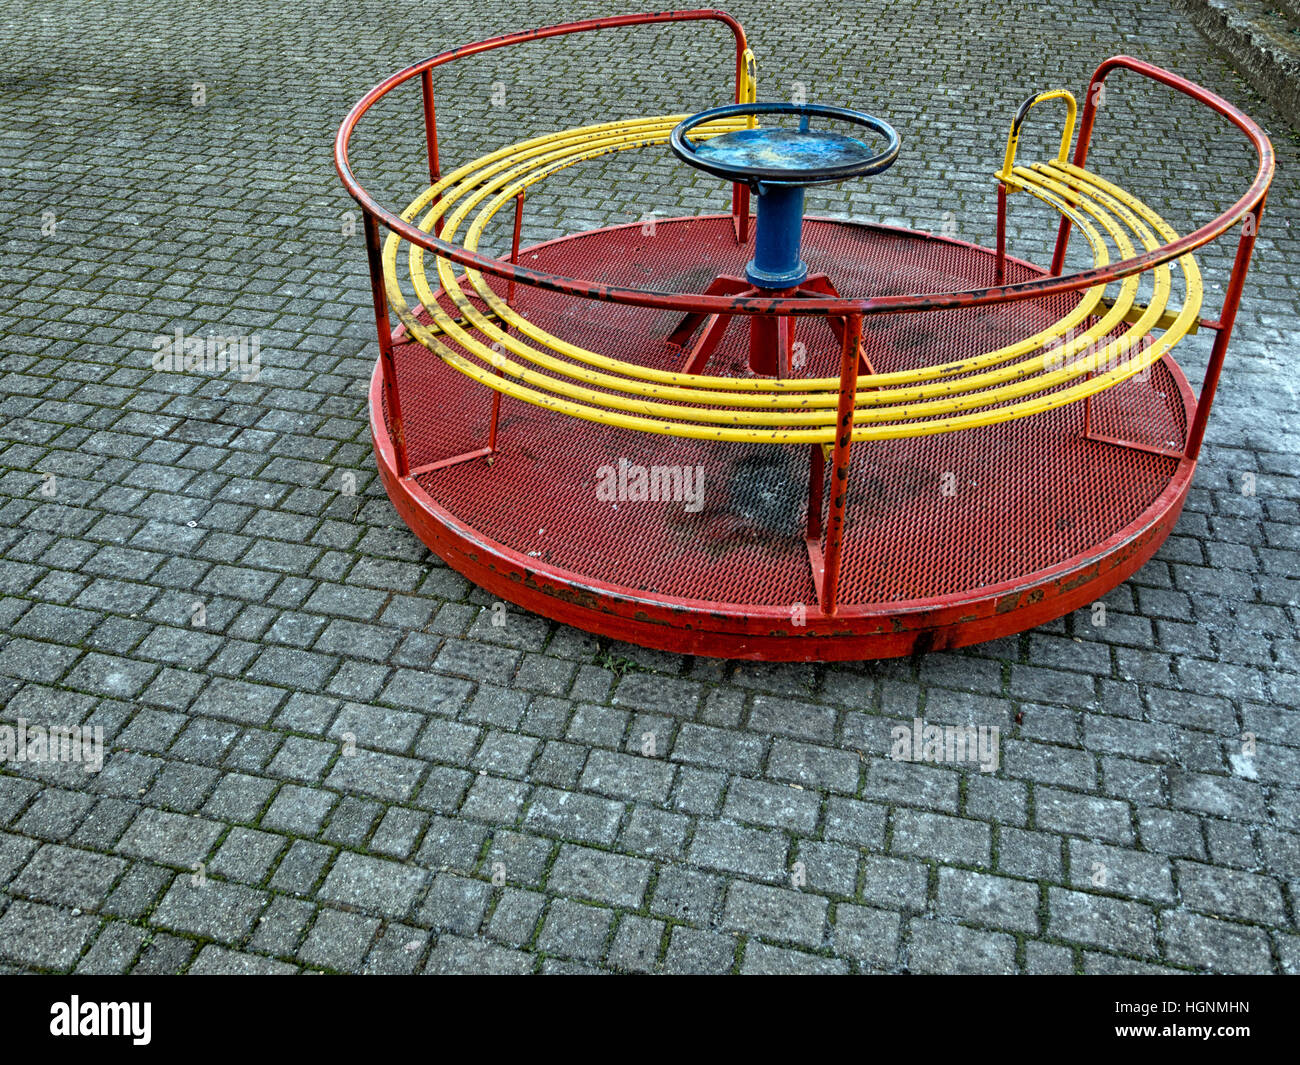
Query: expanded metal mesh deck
x=926, y=517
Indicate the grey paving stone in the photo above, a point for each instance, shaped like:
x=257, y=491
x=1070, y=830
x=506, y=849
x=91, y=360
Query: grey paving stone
x=515, y=918
x=279, y=930
x=113, y=951
x=1101, y=921
x=1230, y=893
x=1083, y=815
x=397, y=951
x=866, y=935
x=44, y=937
x=714, y=748
x=826, y=868
x=811, y=766
x=239, y=797
x=1216, y=946
x=455, y=903
x=650, y=691
x=698, y=791
x=757, y=853
x=1119, y=871
x=373, y=884
x=247, y=855
x=338, y=940
x=627, y=776
x=54, y=814
x=993, y=901
x=1171, y=832
x=695, y=952
x=172, y=839
x=928, y=787
x=1098, y=964
x=1217, y=796
x=764, y=959
x=165, y=955
x=252, y=704
x=455, y=956
x=213, y=909
x=775, y=913
x=68, y=877
x=298, y=810
x=399, y=832
x=950, y=949
x=948, y=839
x=505, y=753
x=636, y=944
x=495, y=799
x=301, y=867
x=15, y=794
x=859, y=823
x=571, y=815
x=1048, y=959
x=1031, y=854
x=425, y=692
x=655, y=832
x=805, y=721
x=573, y=930
x=220, y=961
x=592, y=874
x=894, y=883
x=454, y=844
x=1288, y=949
x=687, y=895
x=386, y=776
x=772, y=805
x=137, y=891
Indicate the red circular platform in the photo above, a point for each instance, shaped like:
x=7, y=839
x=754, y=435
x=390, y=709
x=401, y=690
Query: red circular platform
x=950, y=539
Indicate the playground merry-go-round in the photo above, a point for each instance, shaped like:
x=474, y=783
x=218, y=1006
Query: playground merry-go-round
x=756, y=434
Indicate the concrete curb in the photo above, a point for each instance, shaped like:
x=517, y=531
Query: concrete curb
x=1261, y=40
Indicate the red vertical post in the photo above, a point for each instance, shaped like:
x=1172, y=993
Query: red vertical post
x=514, y=245
x=1000, y=263
x=387, y=367
x=510, y=298
x=1231, y=302
x=740, y=212
x=771, y=341
x=431, y=137
x=840, y=462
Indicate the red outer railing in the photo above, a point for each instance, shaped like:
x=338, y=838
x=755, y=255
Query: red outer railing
x=1250, y=206
x=1250, y=202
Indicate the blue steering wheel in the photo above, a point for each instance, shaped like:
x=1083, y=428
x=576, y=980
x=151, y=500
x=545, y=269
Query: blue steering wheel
x=785, y=156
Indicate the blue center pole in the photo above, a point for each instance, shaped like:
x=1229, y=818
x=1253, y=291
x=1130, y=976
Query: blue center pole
x=778, y=228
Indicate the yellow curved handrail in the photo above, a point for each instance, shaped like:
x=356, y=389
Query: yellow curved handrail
x=1050, y=369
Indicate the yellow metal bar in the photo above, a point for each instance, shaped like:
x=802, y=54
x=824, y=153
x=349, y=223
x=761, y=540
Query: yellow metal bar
x=749, y=86
x=1067, y=134
x=1028, y=375
x=691, y=380
x=870, y=397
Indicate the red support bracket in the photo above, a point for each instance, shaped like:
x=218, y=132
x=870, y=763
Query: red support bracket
x=771, y=337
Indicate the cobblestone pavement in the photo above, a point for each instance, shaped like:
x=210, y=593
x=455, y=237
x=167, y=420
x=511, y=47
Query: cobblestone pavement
x=321, y=753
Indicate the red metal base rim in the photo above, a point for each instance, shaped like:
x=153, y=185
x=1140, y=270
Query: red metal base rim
x=770, y=631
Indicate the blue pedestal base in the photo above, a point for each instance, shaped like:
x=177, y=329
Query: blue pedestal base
x=778, y=229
